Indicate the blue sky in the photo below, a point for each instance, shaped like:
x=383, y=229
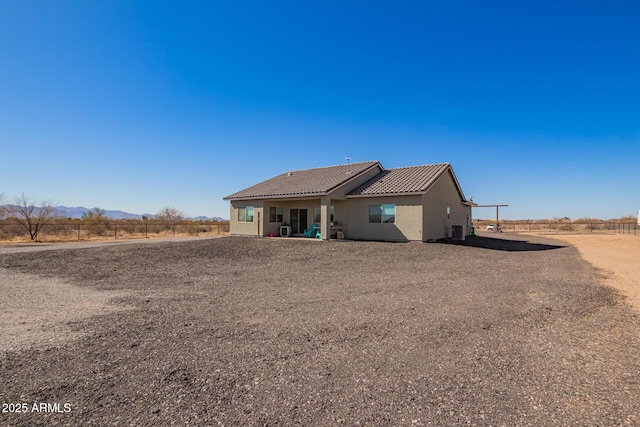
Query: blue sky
x=138, y=105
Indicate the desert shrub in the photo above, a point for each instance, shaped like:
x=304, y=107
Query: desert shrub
x=566, y=227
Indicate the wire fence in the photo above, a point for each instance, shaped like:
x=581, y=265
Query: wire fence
x=114, y=229
x=630, y=228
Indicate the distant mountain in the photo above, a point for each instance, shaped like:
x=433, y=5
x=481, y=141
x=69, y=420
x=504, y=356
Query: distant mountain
x=78, y=211
x=206, y=218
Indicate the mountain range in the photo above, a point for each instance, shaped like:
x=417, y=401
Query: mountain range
x=77, y=212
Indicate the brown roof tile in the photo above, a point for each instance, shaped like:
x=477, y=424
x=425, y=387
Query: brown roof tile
x=413, y=179
x=317, y=181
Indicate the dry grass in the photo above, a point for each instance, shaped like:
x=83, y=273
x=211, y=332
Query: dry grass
x=121, y=231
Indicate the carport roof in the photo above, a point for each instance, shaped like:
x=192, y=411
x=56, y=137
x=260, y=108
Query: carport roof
x=306, y=182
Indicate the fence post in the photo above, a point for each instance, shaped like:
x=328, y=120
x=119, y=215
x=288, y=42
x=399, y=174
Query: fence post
x=115, y=231
x=174, y=229
x=146, y=230
x=78, y=231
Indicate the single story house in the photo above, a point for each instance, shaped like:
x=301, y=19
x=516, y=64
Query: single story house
x=361, y=201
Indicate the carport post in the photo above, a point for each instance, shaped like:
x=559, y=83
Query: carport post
x=497, y=213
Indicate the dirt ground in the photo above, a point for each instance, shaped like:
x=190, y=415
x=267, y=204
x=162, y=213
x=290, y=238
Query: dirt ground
x=505, y=330
x=617, y=255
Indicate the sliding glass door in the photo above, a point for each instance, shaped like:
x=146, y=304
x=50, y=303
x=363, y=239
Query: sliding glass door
x=298, y=218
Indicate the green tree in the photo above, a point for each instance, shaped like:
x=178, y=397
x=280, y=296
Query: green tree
x=96, y=220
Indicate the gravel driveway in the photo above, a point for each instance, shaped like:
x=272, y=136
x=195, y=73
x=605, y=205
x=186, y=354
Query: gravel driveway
x=243, y=331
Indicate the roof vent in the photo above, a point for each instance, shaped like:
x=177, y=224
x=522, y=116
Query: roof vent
x=289, y=173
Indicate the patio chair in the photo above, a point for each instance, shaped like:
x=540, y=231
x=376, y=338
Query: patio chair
x=311, y=232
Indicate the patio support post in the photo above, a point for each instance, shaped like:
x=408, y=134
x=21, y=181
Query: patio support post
x=325, y=218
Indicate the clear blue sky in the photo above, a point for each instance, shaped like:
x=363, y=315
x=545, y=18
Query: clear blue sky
x=138, y=105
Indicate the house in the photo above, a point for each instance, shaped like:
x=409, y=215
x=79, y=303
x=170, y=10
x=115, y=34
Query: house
x=362, y=201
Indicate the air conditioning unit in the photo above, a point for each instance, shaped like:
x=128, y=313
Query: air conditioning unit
x=458, y=232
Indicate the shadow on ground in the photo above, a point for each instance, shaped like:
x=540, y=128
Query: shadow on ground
x=509, y=245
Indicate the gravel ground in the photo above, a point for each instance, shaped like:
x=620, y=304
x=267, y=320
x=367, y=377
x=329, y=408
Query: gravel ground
x=241, y=331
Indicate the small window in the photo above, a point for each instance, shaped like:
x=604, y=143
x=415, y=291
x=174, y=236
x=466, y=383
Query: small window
x=245, y=214
x=331, y=213
x=448, y=212
x=375, y=214
x=389, y=214
x=382, y=214
x=276, y=214
x=316, y=215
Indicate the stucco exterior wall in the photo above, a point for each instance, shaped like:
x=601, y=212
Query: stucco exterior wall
x=408, y=223
x=442, y=195
x=246, y=228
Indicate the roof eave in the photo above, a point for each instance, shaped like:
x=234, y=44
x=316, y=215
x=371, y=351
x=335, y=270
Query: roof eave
x=277, y=196
x=407, y=193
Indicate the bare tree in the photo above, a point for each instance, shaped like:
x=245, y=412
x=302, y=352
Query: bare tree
x=30, y=218
x=169, y=216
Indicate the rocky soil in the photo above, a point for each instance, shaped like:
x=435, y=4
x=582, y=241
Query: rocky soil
x=241, y=331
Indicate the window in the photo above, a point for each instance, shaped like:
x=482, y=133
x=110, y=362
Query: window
x=276, y=214
x=245, y=214
x=389, y=214
x=317, y=217
x=382, y=214
x=375, y=214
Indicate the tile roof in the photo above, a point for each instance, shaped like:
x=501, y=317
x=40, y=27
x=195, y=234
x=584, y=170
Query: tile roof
x=413, y=179
x=312, y=182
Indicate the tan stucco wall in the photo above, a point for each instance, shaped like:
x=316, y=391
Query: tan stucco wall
x=441, y=195
x=274, y=227
x=246, y=228
x=408, y=225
